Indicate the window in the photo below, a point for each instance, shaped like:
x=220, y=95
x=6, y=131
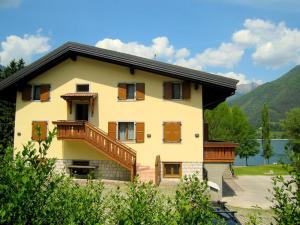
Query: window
x=37, y=93
x=126, y=131
x=172, y=132
x=172, y=170
x=39, y=130
x=131, y=91
x=176, y=91
x=82, y=88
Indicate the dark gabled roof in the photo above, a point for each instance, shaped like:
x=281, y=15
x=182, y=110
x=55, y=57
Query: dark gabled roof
x=216, y=88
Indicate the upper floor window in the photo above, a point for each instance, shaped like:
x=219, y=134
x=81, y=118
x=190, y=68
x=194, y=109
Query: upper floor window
x=82, y=88
x=177, y=90
x=36, y=93
x=131, y=91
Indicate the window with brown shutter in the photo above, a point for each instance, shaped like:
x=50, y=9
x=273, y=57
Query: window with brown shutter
x=172, y=170
x=112, y=129
x=39, y=126
x=122, y=91
x=177, y=90
x=172, y=132
x=139, y=132
x=186, y=90
x=26, y=93
x=167, y=90
x=45, y=93
x=140, y=91
x=131, y=91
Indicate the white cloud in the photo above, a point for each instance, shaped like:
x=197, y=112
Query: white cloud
x=275, y=44
x=160, y=47
x=9, y=3
x=240, y=77
x=15, y=47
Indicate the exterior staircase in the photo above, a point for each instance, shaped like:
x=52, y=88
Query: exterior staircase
x=85, y=131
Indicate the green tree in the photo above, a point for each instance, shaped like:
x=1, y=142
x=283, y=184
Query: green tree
x=291, y=125
x=266, y=141
x=231, y=124
x=11, y=68
x=7, y=109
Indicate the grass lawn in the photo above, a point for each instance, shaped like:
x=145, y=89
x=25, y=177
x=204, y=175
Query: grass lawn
x=260, y=170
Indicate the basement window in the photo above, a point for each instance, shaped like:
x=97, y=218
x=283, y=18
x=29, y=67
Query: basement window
x=81, y=170
x=172, y=170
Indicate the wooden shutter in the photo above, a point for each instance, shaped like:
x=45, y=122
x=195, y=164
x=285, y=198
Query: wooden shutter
x=172, y=132
x=140, y=91
x=26, y=93
x=112, y=130
x=168, y=90
x=43, y=126
x=186, y=90
x=140, y=132
x=122, y=91
x=45, y=93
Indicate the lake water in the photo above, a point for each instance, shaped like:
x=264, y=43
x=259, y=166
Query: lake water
x=279, y=154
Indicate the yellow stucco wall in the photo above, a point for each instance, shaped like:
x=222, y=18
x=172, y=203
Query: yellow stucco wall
x=103, y=79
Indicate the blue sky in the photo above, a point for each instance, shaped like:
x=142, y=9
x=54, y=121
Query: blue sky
x=251, y=40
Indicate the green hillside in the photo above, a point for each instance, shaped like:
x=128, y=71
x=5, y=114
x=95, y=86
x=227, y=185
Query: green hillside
x=281, y=95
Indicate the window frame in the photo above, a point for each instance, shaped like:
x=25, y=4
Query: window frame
x=131, y=99
x=134, y=131
x=134, y=94
x=76, y=86
x=180, y=91
x=33, y=93
x=172, y=175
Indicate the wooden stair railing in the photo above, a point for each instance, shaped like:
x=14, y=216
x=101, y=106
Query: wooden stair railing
x=85, y=131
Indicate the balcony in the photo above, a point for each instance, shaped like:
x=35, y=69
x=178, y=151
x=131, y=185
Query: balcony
x=219, y=152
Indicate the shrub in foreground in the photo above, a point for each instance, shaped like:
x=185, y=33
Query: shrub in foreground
x=32, y=193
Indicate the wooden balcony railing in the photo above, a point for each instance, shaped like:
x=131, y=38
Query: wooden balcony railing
x=113, y=149
x=219, y=152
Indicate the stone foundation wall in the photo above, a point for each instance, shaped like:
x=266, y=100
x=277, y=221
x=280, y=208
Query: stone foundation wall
x=105, y=169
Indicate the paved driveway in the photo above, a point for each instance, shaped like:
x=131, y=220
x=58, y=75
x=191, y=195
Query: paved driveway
x=248, y=191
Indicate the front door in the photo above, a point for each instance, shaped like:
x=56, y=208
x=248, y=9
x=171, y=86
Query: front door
x=82, y=112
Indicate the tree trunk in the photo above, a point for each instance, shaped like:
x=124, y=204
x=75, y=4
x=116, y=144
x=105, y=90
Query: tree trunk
x=246, y=161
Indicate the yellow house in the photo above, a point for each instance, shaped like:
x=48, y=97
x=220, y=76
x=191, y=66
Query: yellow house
x=119, y=115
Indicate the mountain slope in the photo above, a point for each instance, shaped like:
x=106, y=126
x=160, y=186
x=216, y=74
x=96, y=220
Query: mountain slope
x=281, y=95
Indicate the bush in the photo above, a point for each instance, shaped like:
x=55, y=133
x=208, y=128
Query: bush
x=141, y=204
x=286, y=193
x=32, y=193
x=192, y=203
